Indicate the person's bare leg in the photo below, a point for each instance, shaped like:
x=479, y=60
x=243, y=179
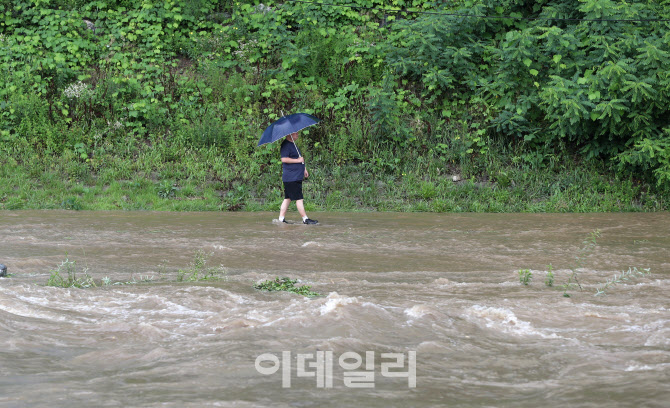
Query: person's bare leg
x=301, y=208
x=284, y=208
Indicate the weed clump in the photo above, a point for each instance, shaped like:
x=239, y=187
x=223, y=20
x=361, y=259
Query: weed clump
x=549, y=280
x=286, y=285
x=588, y=246
x=199, y=271
x=525, y=276
x=65, y=276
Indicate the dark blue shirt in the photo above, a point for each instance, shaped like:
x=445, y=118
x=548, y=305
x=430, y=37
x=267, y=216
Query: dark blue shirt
x=291, y=171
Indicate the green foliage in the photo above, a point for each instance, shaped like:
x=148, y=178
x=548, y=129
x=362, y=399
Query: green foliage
x=525, y=276
x=71, y=203
x=59, y=279
x=386, y=107
x=597, y=85
x=108, y=92
x=621, y=278
x=588, y=246
x=103, y=63
x=166, y=189
x=286, y=285
x=650, y=155
x=199, y=271
x=594, y=85
x=549, y=280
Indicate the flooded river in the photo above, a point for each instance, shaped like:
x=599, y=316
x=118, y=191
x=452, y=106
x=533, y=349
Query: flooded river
x=416, y=310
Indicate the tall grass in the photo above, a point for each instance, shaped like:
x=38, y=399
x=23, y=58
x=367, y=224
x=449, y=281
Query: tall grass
x=210, y=179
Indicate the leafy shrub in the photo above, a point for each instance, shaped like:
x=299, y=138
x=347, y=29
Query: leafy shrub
x=286, y=285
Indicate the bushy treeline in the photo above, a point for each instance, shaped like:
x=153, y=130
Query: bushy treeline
x=393, y=80
x=590, y=74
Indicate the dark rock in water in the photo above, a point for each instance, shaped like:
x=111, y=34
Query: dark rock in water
x=3, y=270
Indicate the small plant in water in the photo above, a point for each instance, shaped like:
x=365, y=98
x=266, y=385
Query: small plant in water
x=162, y=268
x=65, y=276
x=587, y=248
x=525, y=276
x=199, y=271
x=549, y=280
x=135, y=281
x=625, y=276
x=589, y=245
x=286, y=285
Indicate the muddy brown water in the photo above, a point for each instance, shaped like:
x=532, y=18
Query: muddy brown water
x=442, y=287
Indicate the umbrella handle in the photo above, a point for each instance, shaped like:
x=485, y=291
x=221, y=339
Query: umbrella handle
x=296, y=149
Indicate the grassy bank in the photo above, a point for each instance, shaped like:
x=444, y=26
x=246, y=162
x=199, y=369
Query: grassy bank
x=162, y=176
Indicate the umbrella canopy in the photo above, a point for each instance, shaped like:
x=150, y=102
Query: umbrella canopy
x=287, y=125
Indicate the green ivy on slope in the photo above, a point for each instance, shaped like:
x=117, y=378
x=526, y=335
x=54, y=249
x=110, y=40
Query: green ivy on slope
x=85, y=77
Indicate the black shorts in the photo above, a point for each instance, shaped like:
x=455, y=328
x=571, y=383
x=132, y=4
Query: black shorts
x=293, y=190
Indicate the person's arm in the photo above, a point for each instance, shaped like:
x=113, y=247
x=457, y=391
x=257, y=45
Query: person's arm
x=290, y=160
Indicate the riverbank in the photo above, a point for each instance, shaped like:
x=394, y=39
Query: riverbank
x=168, y=177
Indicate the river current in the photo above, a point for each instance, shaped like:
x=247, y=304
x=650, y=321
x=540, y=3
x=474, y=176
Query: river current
x=416, y=310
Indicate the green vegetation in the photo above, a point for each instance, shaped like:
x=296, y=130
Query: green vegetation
x=65, y=276
x=623, y=277
x=106, y=281
x=588, y=245
x=286, y=285
x=199, y=271
x=525, y=276
x=551, y=105
x=587, y=248
x=549, y=279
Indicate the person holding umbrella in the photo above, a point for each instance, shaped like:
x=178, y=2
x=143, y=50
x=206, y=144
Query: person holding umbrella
x=294, y=172
x=293, y=164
